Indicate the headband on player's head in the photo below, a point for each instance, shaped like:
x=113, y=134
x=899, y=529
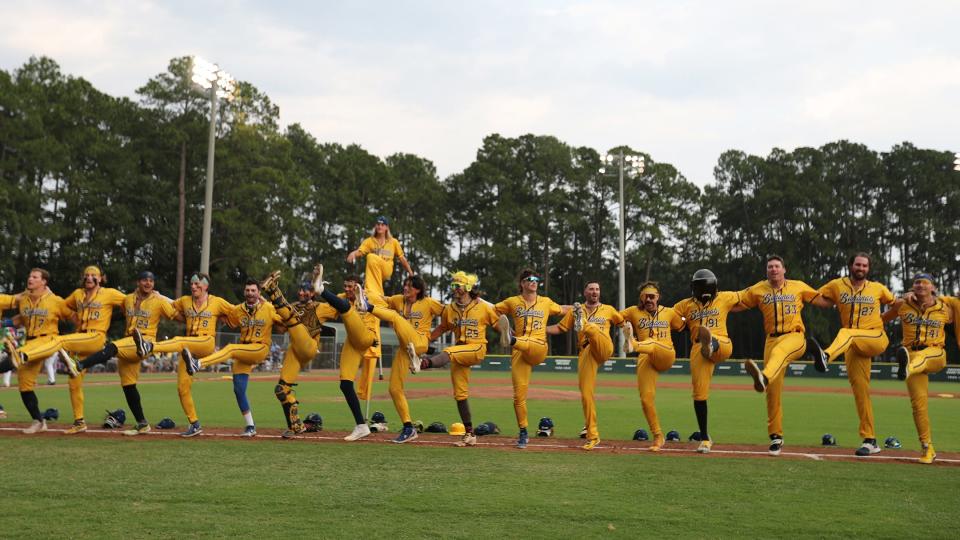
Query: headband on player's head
x=649, y=289
x=200, y=277
x=146, y=274
x=95, y=271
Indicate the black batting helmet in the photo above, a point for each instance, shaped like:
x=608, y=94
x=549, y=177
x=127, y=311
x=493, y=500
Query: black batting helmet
x=313, y=422
x=703, y=285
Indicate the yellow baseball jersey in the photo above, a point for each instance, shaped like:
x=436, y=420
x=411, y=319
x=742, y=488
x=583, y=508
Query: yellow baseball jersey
x=144, y=314
x=469, y=323
x=420, y=313
x=529, y=320
x=201, y=319
x=41, y=316
x=859, y=308
x=655, y=326
x=780, y=307
x=255, y=323
x=602, y=315
x=387, y=249
x=925, y=326
x=95, y=314
x=7, y=301
x=712, y=315
x=953, y=303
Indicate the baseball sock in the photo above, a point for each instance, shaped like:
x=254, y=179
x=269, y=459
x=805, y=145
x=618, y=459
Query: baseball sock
x=31, y=403
x=99, y=357
x=350, y=394
x=133, y=401
x=700, y=407
x=240, y=391
x=463, y=407
x=342, y=305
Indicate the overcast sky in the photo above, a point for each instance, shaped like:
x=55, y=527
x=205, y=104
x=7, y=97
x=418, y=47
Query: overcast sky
x=683, y=81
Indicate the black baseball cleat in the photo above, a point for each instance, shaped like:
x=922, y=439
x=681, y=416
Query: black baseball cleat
x=144, y=347
x=192, y=364
x=867, y=448
x=820, y=358
x=776, y=444
x=903, y=360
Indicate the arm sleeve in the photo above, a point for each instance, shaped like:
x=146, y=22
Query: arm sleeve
x=502, y=308
x=566, y=322
x=617, y=318
x=365, y=246
x=747, y=299
x=399, y=249
x=808, y=293
x=555, y=308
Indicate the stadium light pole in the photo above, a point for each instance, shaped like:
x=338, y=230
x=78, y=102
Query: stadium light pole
x=631, y=164
x=956, y=162
x=207, y=77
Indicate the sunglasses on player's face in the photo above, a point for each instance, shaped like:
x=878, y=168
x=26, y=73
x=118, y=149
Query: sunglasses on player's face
x=532, y=279
x=456, y=286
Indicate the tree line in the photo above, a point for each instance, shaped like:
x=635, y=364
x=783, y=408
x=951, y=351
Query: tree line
x=92, y=178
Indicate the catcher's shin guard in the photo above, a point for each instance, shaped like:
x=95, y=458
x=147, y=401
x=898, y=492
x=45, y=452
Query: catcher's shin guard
x=284, y=393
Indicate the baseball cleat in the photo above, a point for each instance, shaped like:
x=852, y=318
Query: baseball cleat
x=249, y=431
x=289, y=434
x=759, y=379
x=407, y=434
x=868, y=447
x=71, y=364
x=359, y=432
x=523, y=438
x=318, y=281
x=578, y=317
x=36, y=427
x=658, y=442
x=362, y=304
x=15, y=355
x=270, y=282
x=776, y=445
x=414, y=358
x=903, y=362
x=820, y=358
x=583, y=432
x=193, y=430
x=591, y=444
x=706, y=341
x=467, y=439
x=142, y=427
x=193, y=365
x=627, y=338
x=144, y=347
x=506, y=334
x=929, y=454
x=79, y=426
x=705, y=446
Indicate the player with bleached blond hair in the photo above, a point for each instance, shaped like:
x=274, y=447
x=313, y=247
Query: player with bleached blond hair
x=379, y=250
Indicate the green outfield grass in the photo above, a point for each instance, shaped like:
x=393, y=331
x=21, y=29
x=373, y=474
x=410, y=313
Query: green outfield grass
x=736, y=416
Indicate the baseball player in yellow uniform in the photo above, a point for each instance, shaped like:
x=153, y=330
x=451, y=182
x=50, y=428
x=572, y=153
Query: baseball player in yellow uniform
x=379, y=250
x=591, y=321
x=40, y=313
x=143, y=309
x=924, y=318
x=411, y=314
x=705, y=314
x=780, y=301
x=651, y=324
x=468, y=317
x=200, y=311
x=528, y=339
x=861, y=337
x=255, y=319
x=94, y=305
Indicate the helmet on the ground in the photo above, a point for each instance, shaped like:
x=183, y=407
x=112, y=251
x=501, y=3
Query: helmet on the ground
x=436, y=427
x=115, y=419
x=695, y=436
x=828, y=440
x=378, y=418
x=166, y=423
x=457, y=428
x=892, y=443
x=313, y=422
x=673, y=435
x=641, y=435
x=49, y=414
x=486, y=428
x=703, y=285
x=545, y=427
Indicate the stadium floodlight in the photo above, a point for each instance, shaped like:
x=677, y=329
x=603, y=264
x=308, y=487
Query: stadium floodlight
x=632, y=165
x=208, y=78
x=956, y=162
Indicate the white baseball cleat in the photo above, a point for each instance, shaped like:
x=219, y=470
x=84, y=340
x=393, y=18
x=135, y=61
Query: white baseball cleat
x=359, y=432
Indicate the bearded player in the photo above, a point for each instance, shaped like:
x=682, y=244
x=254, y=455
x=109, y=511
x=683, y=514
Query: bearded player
x=94, y=305
x=650, y=323
x=861, y=337
x=411, y=314
x=780, y=301
x=923, y=318
x=200, y=310
x=591, y=321
x=255, y=319
x=40, y=313
x=705, y=314
x=143, y=309
x=468, y=317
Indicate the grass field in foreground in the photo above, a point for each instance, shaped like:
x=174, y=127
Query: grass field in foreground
x=736, y=416
x=210, y=487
